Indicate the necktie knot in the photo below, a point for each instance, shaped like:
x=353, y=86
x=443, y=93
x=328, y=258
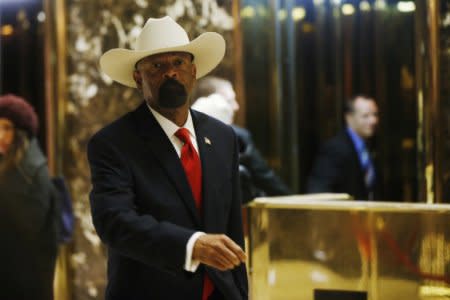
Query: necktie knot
x=365, y=158
x=183, y=135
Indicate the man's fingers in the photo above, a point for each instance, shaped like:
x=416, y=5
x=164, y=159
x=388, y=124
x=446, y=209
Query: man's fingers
x=229, y=255
x=237, y=251
x=218, y=251
x=222, y=263
x=217, y=261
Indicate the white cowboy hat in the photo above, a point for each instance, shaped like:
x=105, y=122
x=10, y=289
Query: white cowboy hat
x=159, y=36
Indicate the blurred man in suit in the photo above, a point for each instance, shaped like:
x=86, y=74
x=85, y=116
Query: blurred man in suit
x=344, y=163
x=216, y=97
x=165, y=195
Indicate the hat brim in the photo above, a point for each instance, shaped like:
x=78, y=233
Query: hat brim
x=208, y=50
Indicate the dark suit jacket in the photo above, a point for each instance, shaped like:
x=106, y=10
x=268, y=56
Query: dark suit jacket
x=337, y=169
x=262, y=180
x=143, y=208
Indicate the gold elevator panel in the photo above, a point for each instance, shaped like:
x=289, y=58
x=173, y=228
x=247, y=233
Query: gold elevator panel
x=389, y=250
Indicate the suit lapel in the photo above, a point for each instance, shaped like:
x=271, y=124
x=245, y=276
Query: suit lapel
x=206, y=146
x=161, y=147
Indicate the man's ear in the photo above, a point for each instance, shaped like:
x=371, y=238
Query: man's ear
x=138, y=79
x=194, y=71
x=348, y=118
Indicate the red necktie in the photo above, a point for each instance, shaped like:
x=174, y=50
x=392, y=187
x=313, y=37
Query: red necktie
x=193, y=169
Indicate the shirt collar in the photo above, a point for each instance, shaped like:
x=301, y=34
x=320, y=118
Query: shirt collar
x=171, y=128
x=356, y=139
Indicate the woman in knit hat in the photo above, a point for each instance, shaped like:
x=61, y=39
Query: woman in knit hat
x=18, y=124
x=28, y=214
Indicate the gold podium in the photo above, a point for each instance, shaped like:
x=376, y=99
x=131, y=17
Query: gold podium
x=391, y=251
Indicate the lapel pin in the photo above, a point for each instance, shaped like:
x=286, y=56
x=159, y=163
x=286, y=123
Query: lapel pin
x=207, y=141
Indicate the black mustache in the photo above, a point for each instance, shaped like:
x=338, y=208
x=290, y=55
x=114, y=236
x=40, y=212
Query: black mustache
x=172, y=94
x=173, y=85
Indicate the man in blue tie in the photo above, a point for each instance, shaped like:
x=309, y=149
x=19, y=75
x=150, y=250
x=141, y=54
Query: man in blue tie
x=344, y=163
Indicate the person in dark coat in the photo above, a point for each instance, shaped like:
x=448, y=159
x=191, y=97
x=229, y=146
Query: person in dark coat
x=216, y=97
x=28, y=213
x=165, y=196
x=345, y=163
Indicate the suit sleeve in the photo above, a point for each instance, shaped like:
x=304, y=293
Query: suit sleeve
x=262, y=175
x=325, y=172
x=115, y=217
x=235, y=227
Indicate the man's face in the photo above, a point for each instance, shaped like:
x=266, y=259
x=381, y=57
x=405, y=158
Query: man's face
x=364, y=118
x=6, y=135
x=165, y=79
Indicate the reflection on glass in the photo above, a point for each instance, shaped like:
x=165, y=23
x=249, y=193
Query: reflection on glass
x=304, y=58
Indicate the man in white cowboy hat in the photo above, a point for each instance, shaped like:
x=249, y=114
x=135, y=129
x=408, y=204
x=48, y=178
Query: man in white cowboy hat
x=165, y=194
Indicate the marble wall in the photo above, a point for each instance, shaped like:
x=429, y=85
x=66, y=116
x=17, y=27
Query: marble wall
x=93, y=100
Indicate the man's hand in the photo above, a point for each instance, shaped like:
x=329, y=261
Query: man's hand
x=218, y=251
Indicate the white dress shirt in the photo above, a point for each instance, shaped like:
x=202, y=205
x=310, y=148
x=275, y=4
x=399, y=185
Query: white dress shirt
x=170, y=129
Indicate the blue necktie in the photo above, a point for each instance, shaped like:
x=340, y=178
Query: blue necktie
x=368, y=168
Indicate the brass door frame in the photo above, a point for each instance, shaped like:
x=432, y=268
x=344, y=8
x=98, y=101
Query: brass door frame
x=55, y=103
x=429, y=131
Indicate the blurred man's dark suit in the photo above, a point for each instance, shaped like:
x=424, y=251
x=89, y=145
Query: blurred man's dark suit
x=337, y=169
x=258, y=179
x=143, y=208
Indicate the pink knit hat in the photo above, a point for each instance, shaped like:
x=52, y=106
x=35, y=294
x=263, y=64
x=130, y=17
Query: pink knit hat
x=19, y=112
